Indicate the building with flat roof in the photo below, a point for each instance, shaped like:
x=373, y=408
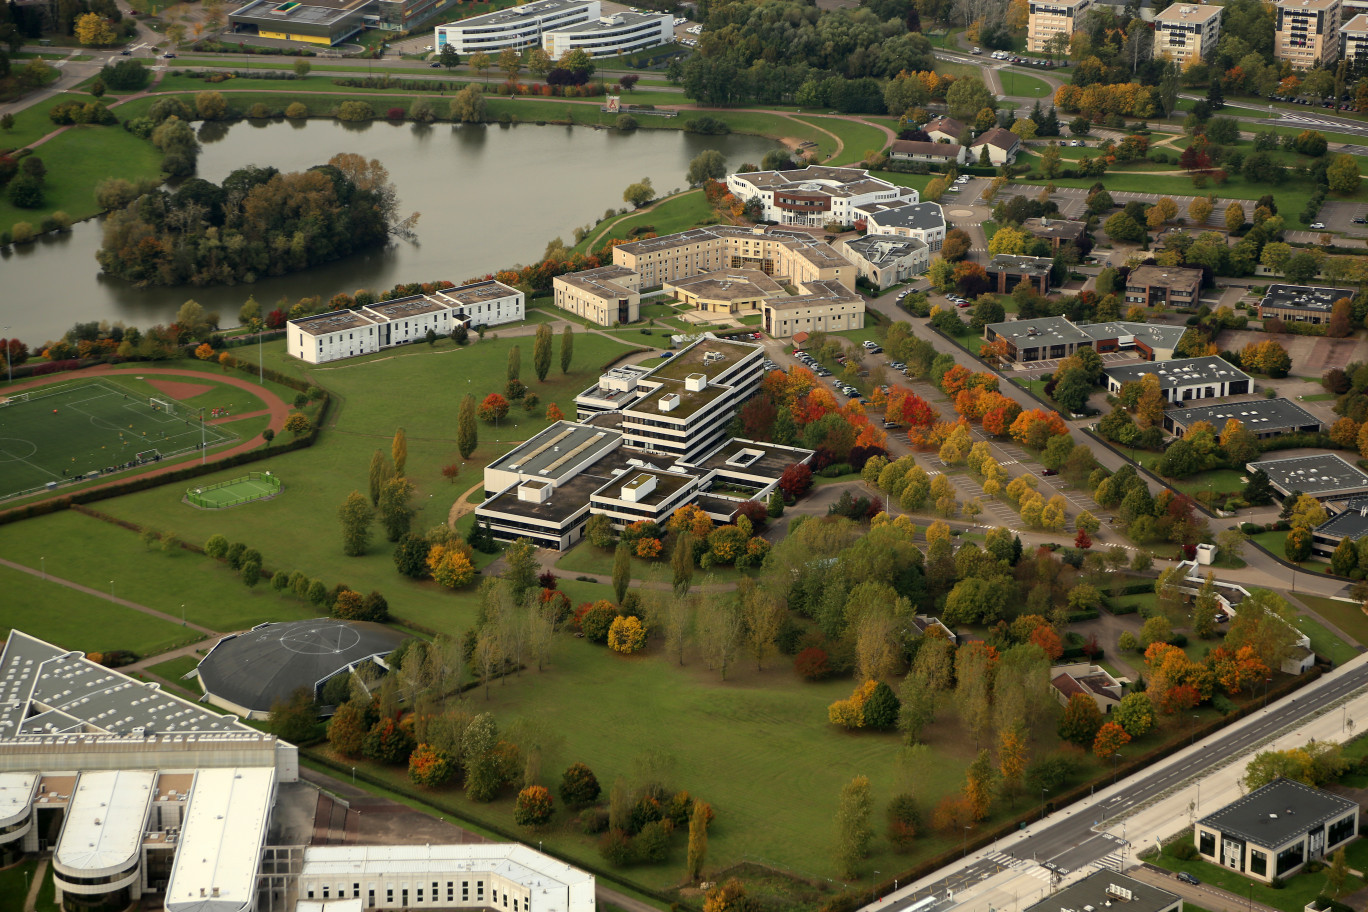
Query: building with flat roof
x=1002, y=145
x=1172, y=286
x=610, y=36
x=924, y=222
x=1186, y=378
x=1301, y=303
x=1324, y=476
x=608, y=295
x=1264, y=418
x=1057, y=231
x=1151, y=341
x=325, y=22
x=727, y=291
x=1050, y=18
x=488, y=875
x=1186, y=31
x=364, y=330
x=823, y=278
x=817, y=195
x=1275, y=831
x=1110, y=890
x=1006, y=271
x=1350, y=522
x=1354, y=39
x=884, y=260
x=1048, y=338
x=517, y=27
x=1307, y=33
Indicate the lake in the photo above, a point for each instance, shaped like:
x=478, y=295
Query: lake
x=490, y=197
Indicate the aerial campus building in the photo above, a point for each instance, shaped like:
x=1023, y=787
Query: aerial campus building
x=139, y=794
x=648, y=440
x=611, y=36
x=364, y=330
x=1324, y=476
x=1275, y=831
x=1050, y=338
x=1301, y=303
x=817, y=195
x=517, y=27
x=1172, y=286
x=1264, y=418
x=328, y=22
x=1049, y=18
x=725, y=271
x=923, y=222
x=1186, y=378
x=1186, y=31
x=1308, y=33
x=1110, y=890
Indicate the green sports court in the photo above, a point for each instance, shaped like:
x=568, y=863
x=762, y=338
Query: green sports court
x=55, y=436
x=250, y=487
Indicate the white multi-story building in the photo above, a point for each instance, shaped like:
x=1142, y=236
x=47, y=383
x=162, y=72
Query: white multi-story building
x=924, y=222
x=1186, y=31
x=611, y=36
x=348, y=333
x=817, y=195
x=1308, y=33
x=1049, y=18
x=518, y=27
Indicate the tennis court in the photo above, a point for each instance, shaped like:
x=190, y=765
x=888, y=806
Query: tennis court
x=59, y=435
x=250, y=487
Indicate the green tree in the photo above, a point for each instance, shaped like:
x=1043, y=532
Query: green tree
x=381, y=471
x=567, y=348
x=449, y=58
x=521, y=568
x=468, y=106
x=356, y=516
x=294, y=718
x=541, y=352
x=622, y=570
x=479, y=63
x=1298, y=545
x=968, y=96
x=853, y=830
x=396, y=508
x=399, y=451
x=640, y=193
x=1337, y=873
x=706, y=165
x=1121, y=227
x=682, y=562
x=514, y=367
x=467, y=432
x=579, y=786
x=1081, y=720
x=1135, y=714
x=698, y=841
x=1343, y=175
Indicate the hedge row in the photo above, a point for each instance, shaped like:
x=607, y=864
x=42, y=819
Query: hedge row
x=627, y=354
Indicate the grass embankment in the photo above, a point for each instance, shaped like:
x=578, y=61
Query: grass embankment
x=1021, y=84
x=1347, y=616
x=76, y=162
x=677, y=213
x=856, y=138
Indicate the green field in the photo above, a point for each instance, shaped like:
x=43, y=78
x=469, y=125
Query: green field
x=74, y=429
x=1347, y=616
x=856, y=138
x=1017, y=84
x=232, y=493
x=675, y=213
x=77, y=620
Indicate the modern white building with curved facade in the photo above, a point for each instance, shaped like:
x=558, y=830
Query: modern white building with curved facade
x=518, y=27
x=99, y=858
x=817, y=195
x=17, y=791
x=611, y=36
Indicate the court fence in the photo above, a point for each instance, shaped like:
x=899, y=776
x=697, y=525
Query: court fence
x=201, y=497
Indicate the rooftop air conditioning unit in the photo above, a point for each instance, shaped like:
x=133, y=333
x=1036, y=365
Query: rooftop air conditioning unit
x=694, y=383
x=669, y=402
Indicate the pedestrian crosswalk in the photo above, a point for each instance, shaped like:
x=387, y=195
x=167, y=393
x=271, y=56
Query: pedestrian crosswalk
x=1112, y=861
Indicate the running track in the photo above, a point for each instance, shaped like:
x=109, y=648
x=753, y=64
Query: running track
x=275, y=407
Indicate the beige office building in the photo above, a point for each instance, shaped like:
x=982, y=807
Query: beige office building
x=1308, y=33
x=608, y=295
x=1052, y=17
x=1354, y=40
x=1187, y=32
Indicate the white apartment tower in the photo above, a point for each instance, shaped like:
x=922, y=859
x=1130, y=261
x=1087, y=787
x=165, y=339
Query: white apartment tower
x=1186, y=32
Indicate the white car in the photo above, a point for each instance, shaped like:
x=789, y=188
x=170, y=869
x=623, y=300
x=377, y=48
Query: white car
x=427, y=47
x=1317, y=226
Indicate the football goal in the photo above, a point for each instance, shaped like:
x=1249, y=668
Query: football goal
x=147, y=456
x=11, y=400
x=162, y=405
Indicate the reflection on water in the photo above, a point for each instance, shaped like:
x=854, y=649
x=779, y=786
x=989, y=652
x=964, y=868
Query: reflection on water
x=490, y=197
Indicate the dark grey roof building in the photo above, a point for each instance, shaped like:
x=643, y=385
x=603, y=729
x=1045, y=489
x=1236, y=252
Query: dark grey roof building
x=1110, y=890
x=1261, y=417
x=1276, y=830
x=1186, y=378
x=245, y=673
x=1323, y=476
x=1351, y=523
x=1301, y=303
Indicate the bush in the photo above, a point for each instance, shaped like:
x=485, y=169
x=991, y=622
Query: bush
x=355, y=111
x=297, y=111
x=592, y=821
x=616, y=848
x=812, y=664
x=1182, y=849
x=579, y=786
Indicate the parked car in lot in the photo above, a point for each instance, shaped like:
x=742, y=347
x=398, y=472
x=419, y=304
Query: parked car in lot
x=1361, y=221
x=1187, y=878
x=1317, y=226
x=1048, y=472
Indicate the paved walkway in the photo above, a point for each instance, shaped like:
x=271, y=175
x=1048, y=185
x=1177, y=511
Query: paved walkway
x=31, y=901
x=162, y=615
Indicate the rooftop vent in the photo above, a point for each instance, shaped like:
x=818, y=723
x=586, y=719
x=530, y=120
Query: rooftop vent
x=669, y=402
x=694, y=383
x=638, y=488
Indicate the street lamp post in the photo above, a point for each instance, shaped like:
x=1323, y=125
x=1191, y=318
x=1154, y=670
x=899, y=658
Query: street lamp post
x=1042, y=803
x=873, y=884
x=182, y=614
x=964, y=850
x=203, y=453
x=42, y=564
x=9, y=362
x=111, y=588
x=1267, y=681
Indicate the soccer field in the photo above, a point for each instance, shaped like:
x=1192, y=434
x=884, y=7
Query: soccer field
x=66, y=433
x=250, y=487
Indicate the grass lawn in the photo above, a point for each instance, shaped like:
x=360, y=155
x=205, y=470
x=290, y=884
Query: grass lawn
x=1347, y=616
x=76, y=161
x=676, y=213
x=1325, y=643
x=856, y=138
x=370, y=403
x=1014, y=83
x=171, y=671
x=919, y=181
x=1141, y=601
x=1218, y=481
x=15, y=881
x=33, y=123
x=1295, y=894
x=77, y=620
x=591, y=693
x=1292, y=197
x=958, y=69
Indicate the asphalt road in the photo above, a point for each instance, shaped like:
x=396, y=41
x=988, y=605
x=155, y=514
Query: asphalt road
x=1070, y=843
